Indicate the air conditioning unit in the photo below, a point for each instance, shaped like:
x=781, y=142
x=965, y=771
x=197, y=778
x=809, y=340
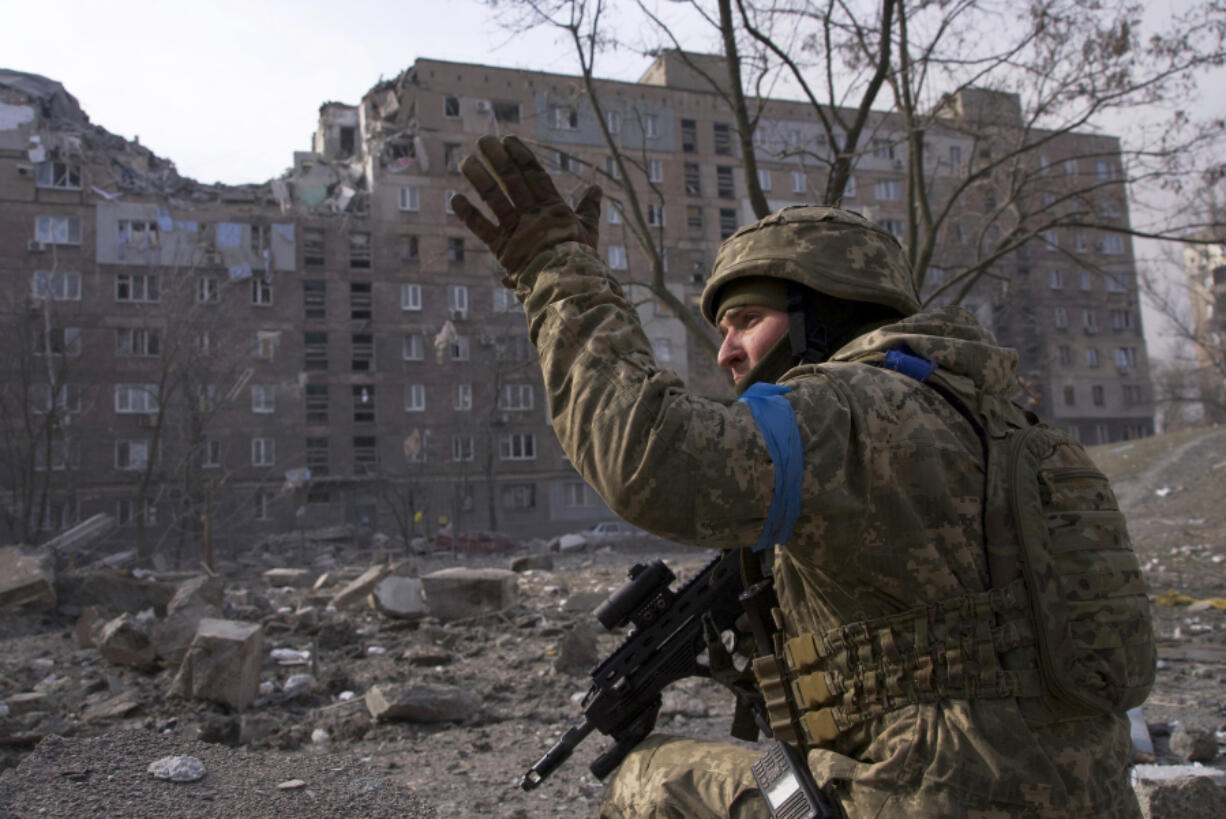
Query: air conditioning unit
x=35, y=246
x=484, y=106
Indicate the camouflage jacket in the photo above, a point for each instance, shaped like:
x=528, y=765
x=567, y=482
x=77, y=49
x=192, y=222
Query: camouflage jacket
x=891, y=520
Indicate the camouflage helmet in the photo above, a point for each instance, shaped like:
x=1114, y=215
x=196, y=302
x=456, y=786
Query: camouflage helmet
x=833, y=251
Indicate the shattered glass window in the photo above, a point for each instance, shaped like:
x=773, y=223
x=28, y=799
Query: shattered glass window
x=506, y=111
x=359, y=250
x=313, y=246
x=451, y=106
x=59, y=175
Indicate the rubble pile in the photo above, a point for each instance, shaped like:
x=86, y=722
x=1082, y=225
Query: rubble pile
x=445, y=675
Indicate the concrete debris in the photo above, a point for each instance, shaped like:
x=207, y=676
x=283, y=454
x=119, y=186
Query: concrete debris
x=124, y=641
x=584, y=602
x=356, y=590
x=27, y=580
x=460, y=593
x=111, y=707
x=222, y=664
x=87, y=624
x=80, y=537
x=527, y=563
x=1193, y=745
x=25, y=703
x=297, y=685
x=420, y=703
x=399, y=597
x=577, y=651
x=291, y=785
x=1180, y=791
x=293, y=578
x=177, y=768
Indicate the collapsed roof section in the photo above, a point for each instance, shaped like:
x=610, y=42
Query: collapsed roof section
x=39, y=117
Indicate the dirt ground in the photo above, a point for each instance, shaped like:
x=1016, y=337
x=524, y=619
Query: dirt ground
x=116, y=720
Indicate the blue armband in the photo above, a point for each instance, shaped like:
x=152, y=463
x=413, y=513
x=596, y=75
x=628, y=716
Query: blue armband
x=777, y=421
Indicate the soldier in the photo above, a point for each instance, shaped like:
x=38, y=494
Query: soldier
x=911, y=675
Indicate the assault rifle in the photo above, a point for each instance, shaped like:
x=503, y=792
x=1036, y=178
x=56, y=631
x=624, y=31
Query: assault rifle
x=671, y=630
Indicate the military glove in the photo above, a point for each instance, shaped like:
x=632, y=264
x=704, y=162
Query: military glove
x=532, y=216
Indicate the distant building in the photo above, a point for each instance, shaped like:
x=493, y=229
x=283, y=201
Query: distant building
x=1205, y=266
x=226, y=362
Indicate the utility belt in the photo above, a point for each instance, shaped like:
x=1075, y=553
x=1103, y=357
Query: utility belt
x=818, y=686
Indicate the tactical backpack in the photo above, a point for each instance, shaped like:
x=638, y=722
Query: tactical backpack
x=1052, y=521
x=1063, y=628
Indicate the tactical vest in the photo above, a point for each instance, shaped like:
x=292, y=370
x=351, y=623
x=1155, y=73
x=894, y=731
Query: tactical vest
x=1064, y=626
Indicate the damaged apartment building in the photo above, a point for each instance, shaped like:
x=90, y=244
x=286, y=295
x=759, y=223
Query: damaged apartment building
x=215, y=364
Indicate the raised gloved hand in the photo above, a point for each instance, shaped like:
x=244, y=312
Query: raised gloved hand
x=532, y=216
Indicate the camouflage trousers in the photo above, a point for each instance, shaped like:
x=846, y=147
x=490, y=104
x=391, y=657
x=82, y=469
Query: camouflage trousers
x=669, y=777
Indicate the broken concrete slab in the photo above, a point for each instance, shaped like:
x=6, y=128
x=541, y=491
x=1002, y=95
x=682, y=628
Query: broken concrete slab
x=1192, y=745
x=420, y=703
x=356, y=590
x=292, y=578
x=527, y=563
x=399, y=597
x=222, y=664
x=458, y=593
x=27, y=580
x=26, y=702
x=112, y=707
x=124, y=641
x=112, y=592
x=83, y=633
x=1180, y=791
x=577, y=654
x=199, y=592
x=82, y=536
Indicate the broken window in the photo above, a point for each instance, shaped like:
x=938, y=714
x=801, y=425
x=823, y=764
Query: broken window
x=506, y=111
x=263, y=398
x=693, y=218
x=315, y=299
x=266, y=344
x=136, y=341
x=462, y=447
x=455, y=249
x=131, y=454
x=263, y=451
x=363, y=353
x=460, y=349
x=57, y=286
x=259, y=239
x=363, y=403
x=349, y=140
x=409, y=253
x=519, y=496
x=359, y=250
x=516, y=397
x=565, y=118
x=689, y=136
x=360, y=300
x=59, y=175
x=727, y=222
x=313, y=246
x=58, y=230
x=315, y=350
x=365, y=455
x=693, y=179
x=452, y=154
x=208, y=290
x=451, y=106
x=136, y=287
x=317, y=403
x=317, y=456
x=723, y=139
x=261, y=292
x=140, y=233
x=725, y=188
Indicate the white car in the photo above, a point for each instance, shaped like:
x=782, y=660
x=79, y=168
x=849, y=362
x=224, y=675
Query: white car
x=610, y=530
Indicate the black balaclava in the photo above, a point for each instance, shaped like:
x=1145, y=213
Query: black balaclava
x=818, y=324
